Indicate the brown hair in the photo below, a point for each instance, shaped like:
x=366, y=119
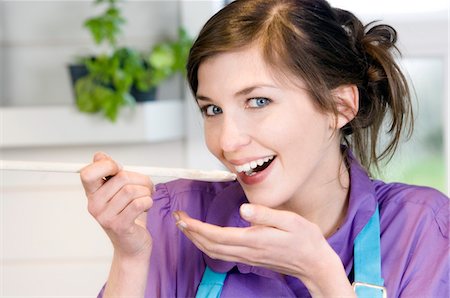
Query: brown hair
x=326, y=47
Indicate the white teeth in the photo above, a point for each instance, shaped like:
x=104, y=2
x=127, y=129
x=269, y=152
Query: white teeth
x=247, y=167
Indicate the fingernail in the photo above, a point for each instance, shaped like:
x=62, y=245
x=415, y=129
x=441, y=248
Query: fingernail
x=106, y=178
x=181, y=225
x=176, y=216
x=246, y=210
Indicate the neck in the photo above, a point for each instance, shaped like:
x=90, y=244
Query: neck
x=324, y=201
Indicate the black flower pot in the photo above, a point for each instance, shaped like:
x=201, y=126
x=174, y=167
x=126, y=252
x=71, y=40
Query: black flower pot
x=78, y=71
x=143, y=96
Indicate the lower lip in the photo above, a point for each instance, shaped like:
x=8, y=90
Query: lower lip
x=256, y=178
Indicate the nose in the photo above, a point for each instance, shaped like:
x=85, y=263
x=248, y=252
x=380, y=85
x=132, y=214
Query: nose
x=233, y=134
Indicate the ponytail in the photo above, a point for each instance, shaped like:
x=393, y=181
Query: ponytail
x=383, y=91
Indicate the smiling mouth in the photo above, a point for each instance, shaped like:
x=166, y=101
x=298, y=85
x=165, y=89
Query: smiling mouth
x=255, y=166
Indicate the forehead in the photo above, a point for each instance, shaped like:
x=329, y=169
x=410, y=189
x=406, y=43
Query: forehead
x=240, y=69
x=248, y=59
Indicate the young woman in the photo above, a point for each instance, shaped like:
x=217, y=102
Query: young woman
x=293, y=94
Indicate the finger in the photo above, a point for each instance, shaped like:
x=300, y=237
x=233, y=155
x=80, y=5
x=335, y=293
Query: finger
x=209, y=245
x=246, y=245
x=134, y=210
x=122, y=198
x=91, y=175
x=100, y=155
x=120, y=180
x=222, y=235
x=124, y=183
x=280, y=219
x=254, y=256
x=142, y=218
x=250, y=252
x=230, y=253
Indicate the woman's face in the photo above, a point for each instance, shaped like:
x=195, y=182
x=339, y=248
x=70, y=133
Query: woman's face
x=266, y=129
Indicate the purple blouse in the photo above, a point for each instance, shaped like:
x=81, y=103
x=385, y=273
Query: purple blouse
x=414, y=239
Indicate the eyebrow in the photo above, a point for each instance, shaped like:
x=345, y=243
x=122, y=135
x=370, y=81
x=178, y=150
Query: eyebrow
x=201, y=97
x=244, y=91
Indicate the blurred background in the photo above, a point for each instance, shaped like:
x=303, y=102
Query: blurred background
x=49, y=244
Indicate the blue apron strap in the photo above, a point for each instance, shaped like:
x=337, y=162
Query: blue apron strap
x=367, y=260
x=211, y=284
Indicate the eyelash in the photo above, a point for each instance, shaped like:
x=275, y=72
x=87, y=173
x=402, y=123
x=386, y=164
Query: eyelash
x=268, y=101
x=204, y=109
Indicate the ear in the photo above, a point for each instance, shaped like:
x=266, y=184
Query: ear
x=347, y=103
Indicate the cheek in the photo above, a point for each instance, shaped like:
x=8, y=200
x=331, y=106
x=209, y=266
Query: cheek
x=211, y=140
x=300, y=133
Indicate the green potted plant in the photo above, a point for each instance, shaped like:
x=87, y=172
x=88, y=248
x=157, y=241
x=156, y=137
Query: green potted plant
x=121, y=75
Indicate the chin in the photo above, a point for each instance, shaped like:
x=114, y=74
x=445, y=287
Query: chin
x=262, y=198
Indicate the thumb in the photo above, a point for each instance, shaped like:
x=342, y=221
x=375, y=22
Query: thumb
x=142, y=219
x=100, y=155
x=255, y=214
x=262, y=215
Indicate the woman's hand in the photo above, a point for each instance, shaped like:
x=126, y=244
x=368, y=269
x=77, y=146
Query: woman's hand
x=278, y=240
x=118, y=200
x=119, y=203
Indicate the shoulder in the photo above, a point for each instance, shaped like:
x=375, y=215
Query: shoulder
x=400, y=192
x=414, y=226
x=413, y=204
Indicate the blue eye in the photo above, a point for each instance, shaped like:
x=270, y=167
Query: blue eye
x=211, y=110
x=258, y=102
